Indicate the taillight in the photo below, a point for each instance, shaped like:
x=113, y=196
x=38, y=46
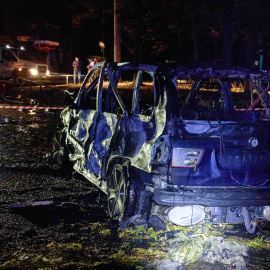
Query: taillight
x=186, y=157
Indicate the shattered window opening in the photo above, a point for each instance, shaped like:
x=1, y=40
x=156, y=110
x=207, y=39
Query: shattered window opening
x=89, y=98
x=146, y=94
x=126, y=88
x=243, y=94
x=205, y=100
x=209, y=96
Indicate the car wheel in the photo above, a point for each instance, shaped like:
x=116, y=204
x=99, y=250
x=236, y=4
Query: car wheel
x=60, y=151
x=123, y=195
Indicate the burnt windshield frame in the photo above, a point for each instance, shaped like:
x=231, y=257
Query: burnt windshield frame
x=86, y=90
x=114, y=74
x=138, y=94
x=141, y=68
x=223, y=89
x=199, y=88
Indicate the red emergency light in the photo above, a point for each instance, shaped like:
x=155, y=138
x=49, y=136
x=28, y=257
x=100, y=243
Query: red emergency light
x=45, y=45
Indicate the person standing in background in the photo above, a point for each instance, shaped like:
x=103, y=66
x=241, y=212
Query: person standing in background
x=91, y=64
x=77, y=64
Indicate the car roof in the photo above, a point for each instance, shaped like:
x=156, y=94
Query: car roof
x=197, y=72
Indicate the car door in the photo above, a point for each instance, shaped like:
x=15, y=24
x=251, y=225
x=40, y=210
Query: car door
x=95, y=123
x=137, y=133
x=82, y=124
x=108, y=117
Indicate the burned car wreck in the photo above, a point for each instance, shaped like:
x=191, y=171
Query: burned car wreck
x=187, y=154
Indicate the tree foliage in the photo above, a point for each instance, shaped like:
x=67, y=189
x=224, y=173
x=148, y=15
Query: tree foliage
x=232, y=31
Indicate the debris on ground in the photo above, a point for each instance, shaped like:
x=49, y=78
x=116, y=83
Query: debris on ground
x=74, y=232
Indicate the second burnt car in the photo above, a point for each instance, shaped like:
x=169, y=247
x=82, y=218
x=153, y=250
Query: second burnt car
x=189, y=152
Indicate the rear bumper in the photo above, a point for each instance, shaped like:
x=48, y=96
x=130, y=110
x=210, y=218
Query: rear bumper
x=214, y=196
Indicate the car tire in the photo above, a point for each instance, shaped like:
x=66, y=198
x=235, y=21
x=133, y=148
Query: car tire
x=60, y=151
x=123, y=196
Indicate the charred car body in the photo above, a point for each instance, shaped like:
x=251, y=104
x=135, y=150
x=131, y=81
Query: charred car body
x=186, y=154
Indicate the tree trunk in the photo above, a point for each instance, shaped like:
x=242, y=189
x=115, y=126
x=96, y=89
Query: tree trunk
x=250, y=55
x=196, y=47
x=117, y=32
x=138, y=32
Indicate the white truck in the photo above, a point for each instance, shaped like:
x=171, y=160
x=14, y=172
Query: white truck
x=12, y=67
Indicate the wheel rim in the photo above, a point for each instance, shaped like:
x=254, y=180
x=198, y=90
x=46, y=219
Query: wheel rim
x=116, y=193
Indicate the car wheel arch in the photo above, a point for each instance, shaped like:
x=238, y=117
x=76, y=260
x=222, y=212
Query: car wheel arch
x=123, y=197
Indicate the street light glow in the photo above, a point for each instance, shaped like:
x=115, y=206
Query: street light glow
x=7, y=46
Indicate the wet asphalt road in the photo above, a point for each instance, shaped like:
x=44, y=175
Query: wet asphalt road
x=73, y=231
x=24, y=177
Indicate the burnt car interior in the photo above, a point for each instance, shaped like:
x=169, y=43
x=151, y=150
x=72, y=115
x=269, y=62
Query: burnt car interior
x=219, y=100
x=110, y=98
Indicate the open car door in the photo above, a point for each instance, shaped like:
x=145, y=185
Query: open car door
x=94, y=124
